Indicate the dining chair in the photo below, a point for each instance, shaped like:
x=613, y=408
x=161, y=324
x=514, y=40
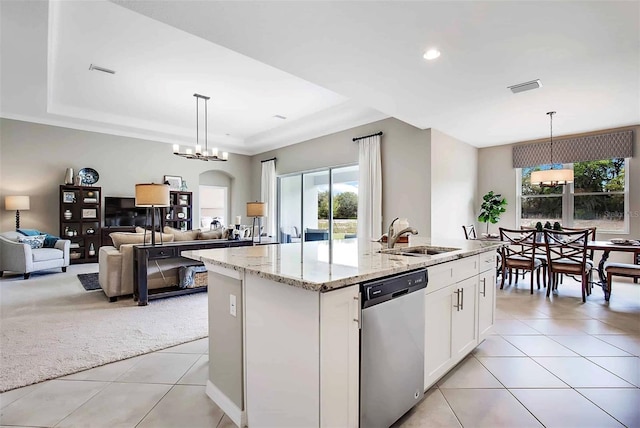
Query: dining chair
x=592, y=236
x=567, y=254
x=469, y=232
x=520, y=254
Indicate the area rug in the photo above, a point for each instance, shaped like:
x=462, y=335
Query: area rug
x=89, y=281
x=50, y=326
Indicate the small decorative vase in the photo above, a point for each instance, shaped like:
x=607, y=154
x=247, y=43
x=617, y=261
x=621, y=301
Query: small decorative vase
x=68, y=176
x=183, y=186
x=92, y=250
x=67, y=215
x=78, y=180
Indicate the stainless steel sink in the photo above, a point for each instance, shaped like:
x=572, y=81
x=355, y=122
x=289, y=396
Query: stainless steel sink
x=418, y=251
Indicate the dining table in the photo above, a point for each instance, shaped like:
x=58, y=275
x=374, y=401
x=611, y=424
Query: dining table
x=607, y=247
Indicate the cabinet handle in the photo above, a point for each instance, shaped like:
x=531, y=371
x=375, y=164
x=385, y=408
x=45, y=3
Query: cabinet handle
x=457, y=293
x=358, y=311
x=462, y=299
x=484, y=287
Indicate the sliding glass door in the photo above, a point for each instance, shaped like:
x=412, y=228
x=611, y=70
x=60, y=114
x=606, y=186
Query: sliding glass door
x=318, y=205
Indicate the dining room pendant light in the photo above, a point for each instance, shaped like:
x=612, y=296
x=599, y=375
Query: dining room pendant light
x=198, y=153
x=552, y=177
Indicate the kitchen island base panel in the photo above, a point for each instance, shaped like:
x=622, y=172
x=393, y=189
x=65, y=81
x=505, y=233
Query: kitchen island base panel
x=282, y=354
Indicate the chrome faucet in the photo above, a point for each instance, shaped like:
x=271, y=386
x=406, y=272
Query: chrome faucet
x=392, y=237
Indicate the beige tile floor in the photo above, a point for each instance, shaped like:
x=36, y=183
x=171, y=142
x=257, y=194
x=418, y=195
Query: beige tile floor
x=551, y=362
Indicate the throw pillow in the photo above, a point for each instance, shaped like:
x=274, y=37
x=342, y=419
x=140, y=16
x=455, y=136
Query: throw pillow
x=121, y=238
x=212, y=234
x=29, y=232
x=50, y=241
x=182, y=235
x=32, y=241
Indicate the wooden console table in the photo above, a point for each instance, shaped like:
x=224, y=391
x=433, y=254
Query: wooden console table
x=143, y=253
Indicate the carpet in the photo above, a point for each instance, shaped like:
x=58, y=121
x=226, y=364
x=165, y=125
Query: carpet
x=50, y=326
x=89, y=281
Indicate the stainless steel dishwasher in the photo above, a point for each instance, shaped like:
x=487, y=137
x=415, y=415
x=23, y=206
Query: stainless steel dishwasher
x=391, y=348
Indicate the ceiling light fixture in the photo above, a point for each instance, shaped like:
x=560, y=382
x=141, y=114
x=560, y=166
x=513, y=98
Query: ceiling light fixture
x=199, y=153
x=552, y=177
x=431, y=54
x=526, y=86
x=98, y=68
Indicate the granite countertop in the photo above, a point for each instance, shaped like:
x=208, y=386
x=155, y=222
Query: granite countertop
x=327, y=265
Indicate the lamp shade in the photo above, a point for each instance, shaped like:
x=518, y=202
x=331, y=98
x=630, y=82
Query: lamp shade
x=16, y=203
x=552, y=177
x=256, y=209
x=152, y=195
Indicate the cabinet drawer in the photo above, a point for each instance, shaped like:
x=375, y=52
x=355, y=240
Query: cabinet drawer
x=487, y=261
x=161, y=253
x=449, y=273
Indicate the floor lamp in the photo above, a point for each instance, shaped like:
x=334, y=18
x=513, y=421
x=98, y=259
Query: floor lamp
x=152, y=196
x=257, y=210
x=17, y=203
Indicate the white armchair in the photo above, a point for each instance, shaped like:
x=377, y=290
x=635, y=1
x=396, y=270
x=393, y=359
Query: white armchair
x=18, y=257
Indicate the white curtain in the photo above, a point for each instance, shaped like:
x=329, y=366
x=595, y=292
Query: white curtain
x=370, y=189
x=268, y=195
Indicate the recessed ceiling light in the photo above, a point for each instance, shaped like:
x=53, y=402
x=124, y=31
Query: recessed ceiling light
x=279, y=116
x=431, y=54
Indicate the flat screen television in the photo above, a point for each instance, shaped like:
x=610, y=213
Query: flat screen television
x=123, y=212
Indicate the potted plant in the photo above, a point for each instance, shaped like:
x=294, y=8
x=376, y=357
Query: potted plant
x=492, y=206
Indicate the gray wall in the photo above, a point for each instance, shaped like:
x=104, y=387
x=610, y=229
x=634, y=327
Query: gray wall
x=406, y=162
x=454, y=172
x=34, y=157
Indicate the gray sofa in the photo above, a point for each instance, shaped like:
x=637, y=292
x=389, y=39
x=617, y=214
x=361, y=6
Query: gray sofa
x=21, y=258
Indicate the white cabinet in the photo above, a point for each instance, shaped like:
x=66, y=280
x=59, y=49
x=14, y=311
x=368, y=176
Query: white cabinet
x=438, y=333
x=339, y=357
x=454, y=318
x=464, y=328
x=486, y=294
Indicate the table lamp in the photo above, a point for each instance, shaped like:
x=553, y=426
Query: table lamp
x=257, y=210
x=152, y=195
x=16, y=203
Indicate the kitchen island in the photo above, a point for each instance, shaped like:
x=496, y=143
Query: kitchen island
x=284, y=322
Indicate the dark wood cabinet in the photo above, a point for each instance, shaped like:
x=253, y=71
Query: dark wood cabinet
x=179, y=214
x=80, y=221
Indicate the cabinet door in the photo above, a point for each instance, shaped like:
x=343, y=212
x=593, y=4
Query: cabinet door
x=340, y=357
x=438, y=330
x=464, y=327
x=486, y=303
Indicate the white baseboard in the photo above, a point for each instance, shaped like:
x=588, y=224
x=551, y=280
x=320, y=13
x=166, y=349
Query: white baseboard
x=228, y=407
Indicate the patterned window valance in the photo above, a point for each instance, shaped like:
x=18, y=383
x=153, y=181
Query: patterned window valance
x=579, y=149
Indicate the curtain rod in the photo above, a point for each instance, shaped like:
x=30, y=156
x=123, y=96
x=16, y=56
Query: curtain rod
x=267, y=160
x=367, y=136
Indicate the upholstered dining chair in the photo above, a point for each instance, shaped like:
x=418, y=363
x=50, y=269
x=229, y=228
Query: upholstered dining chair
x=567, y=254
x=469, y=232
x=520, y=254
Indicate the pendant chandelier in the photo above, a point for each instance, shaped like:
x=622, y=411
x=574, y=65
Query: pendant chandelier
x=203, y=155
x=552, y=177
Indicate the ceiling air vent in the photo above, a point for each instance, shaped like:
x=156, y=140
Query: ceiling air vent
x=279, y=116
x=526, y=86
x=98, y=68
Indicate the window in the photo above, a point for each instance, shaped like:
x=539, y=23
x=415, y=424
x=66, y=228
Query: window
x=597, y=198
x=318, y=205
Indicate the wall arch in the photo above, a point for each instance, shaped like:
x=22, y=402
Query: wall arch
x=219, y=179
